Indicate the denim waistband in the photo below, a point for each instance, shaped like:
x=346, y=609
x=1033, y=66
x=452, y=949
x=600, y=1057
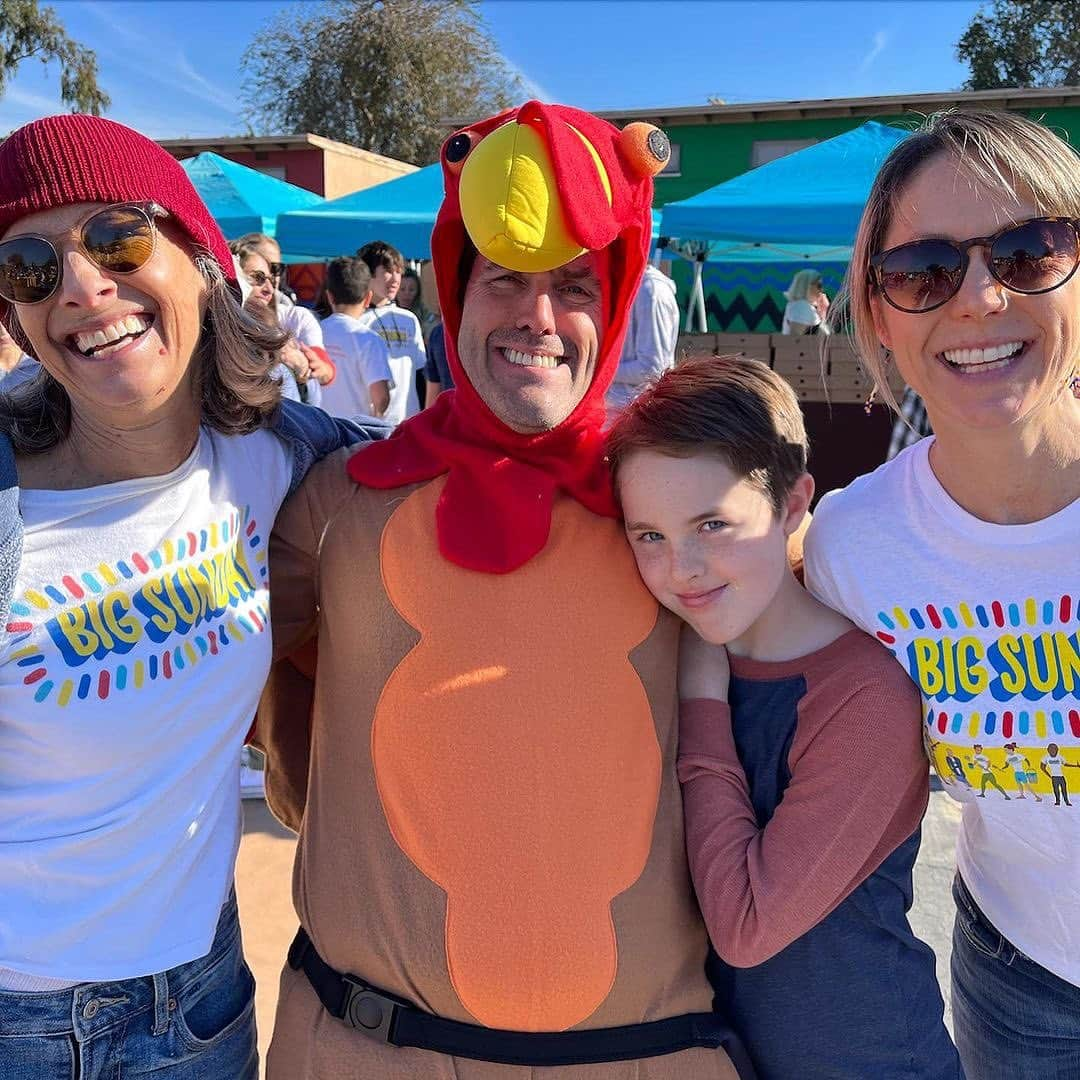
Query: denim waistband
x=89, y=1008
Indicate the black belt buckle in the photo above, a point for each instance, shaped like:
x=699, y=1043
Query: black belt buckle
x=368, y=1011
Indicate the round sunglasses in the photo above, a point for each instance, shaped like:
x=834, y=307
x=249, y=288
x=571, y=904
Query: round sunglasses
x=119, y=240
x=1033, y=257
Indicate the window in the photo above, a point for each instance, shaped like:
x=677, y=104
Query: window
x=277, y=171
x=770, y=149
x=672, y=168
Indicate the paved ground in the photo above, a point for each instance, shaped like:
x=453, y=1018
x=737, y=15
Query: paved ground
x=264, y=878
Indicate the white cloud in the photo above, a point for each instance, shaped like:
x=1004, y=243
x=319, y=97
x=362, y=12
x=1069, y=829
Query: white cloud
x=530, y=87
x=881, y=39
x=27, y=100
x=175, y=72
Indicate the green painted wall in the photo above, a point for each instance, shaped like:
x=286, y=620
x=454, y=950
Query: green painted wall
x=712, y=153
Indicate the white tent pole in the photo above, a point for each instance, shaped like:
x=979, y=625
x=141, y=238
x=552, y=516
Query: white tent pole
x=698, y=296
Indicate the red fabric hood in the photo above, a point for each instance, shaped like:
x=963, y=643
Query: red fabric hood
x=495, y=511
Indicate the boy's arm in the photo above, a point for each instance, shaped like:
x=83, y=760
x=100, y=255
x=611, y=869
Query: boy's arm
x=858, y=789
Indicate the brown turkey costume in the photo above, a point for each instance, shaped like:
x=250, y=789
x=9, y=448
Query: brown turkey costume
x=490, y=824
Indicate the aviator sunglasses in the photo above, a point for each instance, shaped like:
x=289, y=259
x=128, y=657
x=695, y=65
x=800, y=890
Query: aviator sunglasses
x=119, y=240
x=1033, y=257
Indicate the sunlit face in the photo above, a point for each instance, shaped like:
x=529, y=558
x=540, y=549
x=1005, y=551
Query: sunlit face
x=268, y=248
x=152, y=319
x=257, y=271
x=407, y=293
x=988, y=358
x=529, y=343
x=385, y=283
x=708, y=544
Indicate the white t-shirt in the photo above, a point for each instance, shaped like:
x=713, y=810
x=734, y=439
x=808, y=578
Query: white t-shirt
x=137, y=646
x=302, y=323
x=801, y=312
x=400, y=329
x=361, y=358
x=986, y=619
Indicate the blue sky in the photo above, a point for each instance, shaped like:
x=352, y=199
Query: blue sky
x=172, y=67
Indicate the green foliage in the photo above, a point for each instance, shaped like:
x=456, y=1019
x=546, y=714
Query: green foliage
x=1022, y=43
x=28, y=31
x=384, y=75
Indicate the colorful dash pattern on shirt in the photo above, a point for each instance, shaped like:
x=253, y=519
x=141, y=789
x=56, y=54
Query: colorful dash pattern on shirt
x=183, y=601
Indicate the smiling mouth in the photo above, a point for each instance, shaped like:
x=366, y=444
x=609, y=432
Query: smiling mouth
x=979, y=361
x=533, y=360
x=693, y=600
x=107, y=340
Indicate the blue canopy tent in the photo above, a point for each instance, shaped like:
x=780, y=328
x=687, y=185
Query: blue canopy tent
x=401, y=212
x=243, y=200
x=803, y=203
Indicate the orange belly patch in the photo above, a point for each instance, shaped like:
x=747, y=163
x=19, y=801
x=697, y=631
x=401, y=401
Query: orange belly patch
x=517, y=760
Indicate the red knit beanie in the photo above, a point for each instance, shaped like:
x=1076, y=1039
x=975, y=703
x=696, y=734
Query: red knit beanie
x=65, y=159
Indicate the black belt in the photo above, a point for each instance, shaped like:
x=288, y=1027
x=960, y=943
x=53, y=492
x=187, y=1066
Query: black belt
x=392, y=1020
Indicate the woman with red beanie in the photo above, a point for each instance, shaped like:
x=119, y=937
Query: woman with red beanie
x=140, y=473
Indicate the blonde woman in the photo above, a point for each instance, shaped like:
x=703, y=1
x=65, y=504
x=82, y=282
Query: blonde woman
x=807, y=305
x=961, y=554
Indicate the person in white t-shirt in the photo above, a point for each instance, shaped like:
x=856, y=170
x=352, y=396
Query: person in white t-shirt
x=400, y=329
x=362, y=358
x=141, y=469
x=960, y=555
x=807, y=305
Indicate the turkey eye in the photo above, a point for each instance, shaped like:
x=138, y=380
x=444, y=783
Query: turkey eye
x=658, y=144
x=458, y=148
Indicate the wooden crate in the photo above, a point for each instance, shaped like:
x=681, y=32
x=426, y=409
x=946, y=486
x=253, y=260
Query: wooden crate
x=799, y=361
x=755, y=346
x=694, y=345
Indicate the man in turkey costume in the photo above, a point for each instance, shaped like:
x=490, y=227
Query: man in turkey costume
x=490, y=877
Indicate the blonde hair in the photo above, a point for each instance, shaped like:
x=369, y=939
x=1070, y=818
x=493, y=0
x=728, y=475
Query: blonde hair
x=237, y=393
x=801, y=283
x=1001, y=152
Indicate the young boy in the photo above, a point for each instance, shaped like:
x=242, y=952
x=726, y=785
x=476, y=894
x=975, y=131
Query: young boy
x=803, y=776
x=364, y=378
x=400, y=329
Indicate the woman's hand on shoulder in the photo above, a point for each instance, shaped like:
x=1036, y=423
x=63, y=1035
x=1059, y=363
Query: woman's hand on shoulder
x=704, y=671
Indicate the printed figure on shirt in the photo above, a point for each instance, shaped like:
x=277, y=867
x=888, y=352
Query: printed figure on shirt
x=1053, y=766
x=800, y=753
x=980, y=762
x=1022, y=772
x=953, y=763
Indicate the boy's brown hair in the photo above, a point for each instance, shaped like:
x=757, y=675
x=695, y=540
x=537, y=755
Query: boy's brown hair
x=738, y=409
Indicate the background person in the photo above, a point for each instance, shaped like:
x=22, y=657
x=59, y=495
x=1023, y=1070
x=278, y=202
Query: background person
x=803, y=313
x=437, y=370
x=400, y=329
x=411, y=297
x=297, y=319
x=361, y=357
x=651, y=338
x=963, y=276
x=139, y=479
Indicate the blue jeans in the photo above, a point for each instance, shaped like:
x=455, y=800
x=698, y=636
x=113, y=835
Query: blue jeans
x=1012, y=1019
x=192, y=1022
